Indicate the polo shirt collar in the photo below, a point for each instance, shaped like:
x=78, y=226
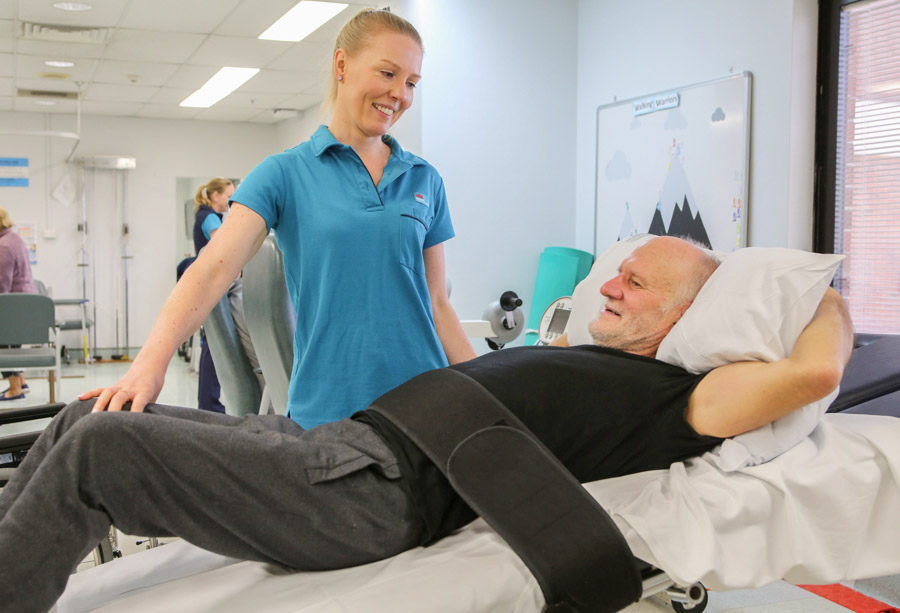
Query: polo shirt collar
x=323, y=140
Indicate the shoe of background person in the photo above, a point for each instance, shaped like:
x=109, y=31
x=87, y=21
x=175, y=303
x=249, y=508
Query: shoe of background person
x=25, y=390
x=19, y=397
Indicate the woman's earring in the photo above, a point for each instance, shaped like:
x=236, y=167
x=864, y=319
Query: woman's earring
x=339, y=77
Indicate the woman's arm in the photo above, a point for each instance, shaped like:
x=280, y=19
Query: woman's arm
x=198, y=291
x=453, y=339
x=739, y=397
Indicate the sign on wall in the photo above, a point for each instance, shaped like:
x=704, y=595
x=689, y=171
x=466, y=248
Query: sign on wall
x=13, y=172
x=676, y=163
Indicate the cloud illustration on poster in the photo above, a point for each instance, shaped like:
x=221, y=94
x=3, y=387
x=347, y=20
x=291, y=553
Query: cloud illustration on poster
x=718, y=115
x=675, y=120
x=618, y=167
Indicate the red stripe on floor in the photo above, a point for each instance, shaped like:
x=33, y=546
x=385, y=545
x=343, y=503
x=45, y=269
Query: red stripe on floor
x=850, y=599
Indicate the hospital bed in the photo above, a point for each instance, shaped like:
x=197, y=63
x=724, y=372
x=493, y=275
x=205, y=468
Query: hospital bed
x=731, y=528
x=693, y=520
x=727, y=529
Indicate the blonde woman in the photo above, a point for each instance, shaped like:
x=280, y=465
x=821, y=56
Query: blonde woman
x=361, y=223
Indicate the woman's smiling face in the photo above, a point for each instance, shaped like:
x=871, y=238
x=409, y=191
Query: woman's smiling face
x=377, y=83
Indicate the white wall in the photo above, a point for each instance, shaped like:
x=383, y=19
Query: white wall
x=505, y=111
x=498, y=122
x=628, y=49
x=164, y=150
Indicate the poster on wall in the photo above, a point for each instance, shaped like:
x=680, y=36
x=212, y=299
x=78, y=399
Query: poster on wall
x=28, y=233
x=676, y=163
x=13, y=172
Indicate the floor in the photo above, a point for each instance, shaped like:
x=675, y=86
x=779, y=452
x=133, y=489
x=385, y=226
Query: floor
x=181, y=389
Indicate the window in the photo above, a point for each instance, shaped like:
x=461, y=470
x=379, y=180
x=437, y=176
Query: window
x=858, y=154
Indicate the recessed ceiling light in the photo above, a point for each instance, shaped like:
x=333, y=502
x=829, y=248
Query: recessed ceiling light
x=302, y=20
x=72, y=6
x=45, y=102
x=59, y=63
x=219, y=85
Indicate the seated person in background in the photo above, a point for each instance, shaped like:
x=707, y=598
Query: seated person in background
x=361, y=491
x=15, y=277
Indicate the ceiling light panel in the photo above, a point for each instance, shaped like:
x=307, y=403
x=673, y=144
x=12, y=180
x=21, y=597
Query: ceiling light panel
x=220, y=85
x=302, y=20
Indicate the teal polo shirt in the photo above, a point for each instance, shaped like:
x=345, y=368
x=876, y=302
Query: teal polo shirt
x=354, y=269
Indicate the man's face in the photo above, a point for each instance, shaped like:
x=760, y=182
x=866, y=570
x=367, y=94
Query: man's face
x=637, y=316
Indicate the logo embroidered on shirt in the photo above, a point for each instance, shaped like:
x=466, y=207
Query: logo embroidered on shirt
x=420, y=198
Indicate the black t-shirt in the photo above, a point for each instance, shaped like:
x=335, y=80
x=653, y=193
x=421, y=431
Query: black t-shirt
x=602, y=412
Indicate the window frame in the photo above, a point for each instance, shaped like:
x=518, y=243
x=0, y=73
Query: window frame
x=827, y=73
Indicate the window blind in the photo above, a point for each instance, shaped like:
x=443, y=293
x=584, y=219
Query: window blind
x=867, y=184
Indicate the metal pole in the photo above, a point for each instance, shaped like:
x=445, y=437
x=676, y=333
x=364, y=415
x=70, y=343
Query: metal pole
x=125, y=254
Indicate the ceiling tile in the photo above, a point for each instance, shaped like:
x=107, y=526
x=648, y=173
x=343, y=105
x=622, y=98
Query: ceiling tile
x=301, y=102
x=6, y=35
x=104, y=14
x=191, y=77
x=6, y=87
x=6, y=103
x=59, y=51
x=251, y=18
x=6, y=64
x=266, y=118
x=304, y=56
x=140, y=73
x=29, y=105
x=177, y=15
x=149, y=46
x=31, y=67
x=237, y=51
x=170, y=96
x=110, y=108
x=98, y=92
x=167, y=111
x=282, y=82
x=216, y=113
x=7, y=10
x=240, y=99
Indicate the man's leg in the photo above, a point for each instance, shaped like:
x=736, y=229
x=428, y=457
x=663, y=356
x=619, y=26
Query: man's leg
x=65, y=420
x=265, y=490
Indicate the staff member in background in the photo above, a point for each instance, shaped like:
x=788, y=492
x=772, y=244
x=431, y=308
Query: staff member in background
x=361, y=223
x=15, y=277
x=210, y=206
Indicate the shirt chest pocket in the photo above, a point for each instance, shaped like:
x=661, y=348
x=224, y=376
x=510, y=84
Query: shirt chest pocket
x=415, y=221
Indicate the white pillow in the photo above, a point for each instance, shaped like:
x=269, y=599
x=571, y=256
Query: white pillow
x=753, y=307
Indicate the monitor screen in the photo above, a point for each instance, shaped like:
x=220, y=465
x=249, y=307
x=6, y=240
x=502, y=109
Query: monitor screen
x=558, y=321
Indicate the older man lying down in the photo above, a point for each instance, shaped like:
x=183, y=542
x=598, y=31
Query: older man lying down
x=355, y=491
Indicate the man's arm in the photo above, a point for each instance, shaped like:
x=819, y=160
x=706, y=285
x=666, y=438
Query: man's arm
x=739, y=397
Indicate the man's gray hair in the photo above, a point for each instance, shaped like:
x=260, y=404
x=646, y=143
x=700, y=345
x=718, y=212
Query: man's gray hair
x=707, y=264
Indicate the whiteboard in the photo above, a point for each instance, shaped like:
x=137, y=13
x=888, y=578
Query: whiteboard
x=675, y=163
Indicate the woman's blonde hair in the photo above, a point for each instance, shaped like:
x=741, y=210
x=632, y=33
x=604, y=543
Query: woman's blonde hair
x=355, y=36
x=216, y=186
x=5, y=221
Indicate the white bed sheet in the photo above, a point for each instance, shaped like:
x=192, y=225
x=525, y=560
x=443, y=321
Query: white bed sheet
x=824, y=511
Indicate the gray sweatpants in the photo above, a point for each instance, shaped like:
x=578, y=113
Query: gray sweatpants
x=257, y=487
